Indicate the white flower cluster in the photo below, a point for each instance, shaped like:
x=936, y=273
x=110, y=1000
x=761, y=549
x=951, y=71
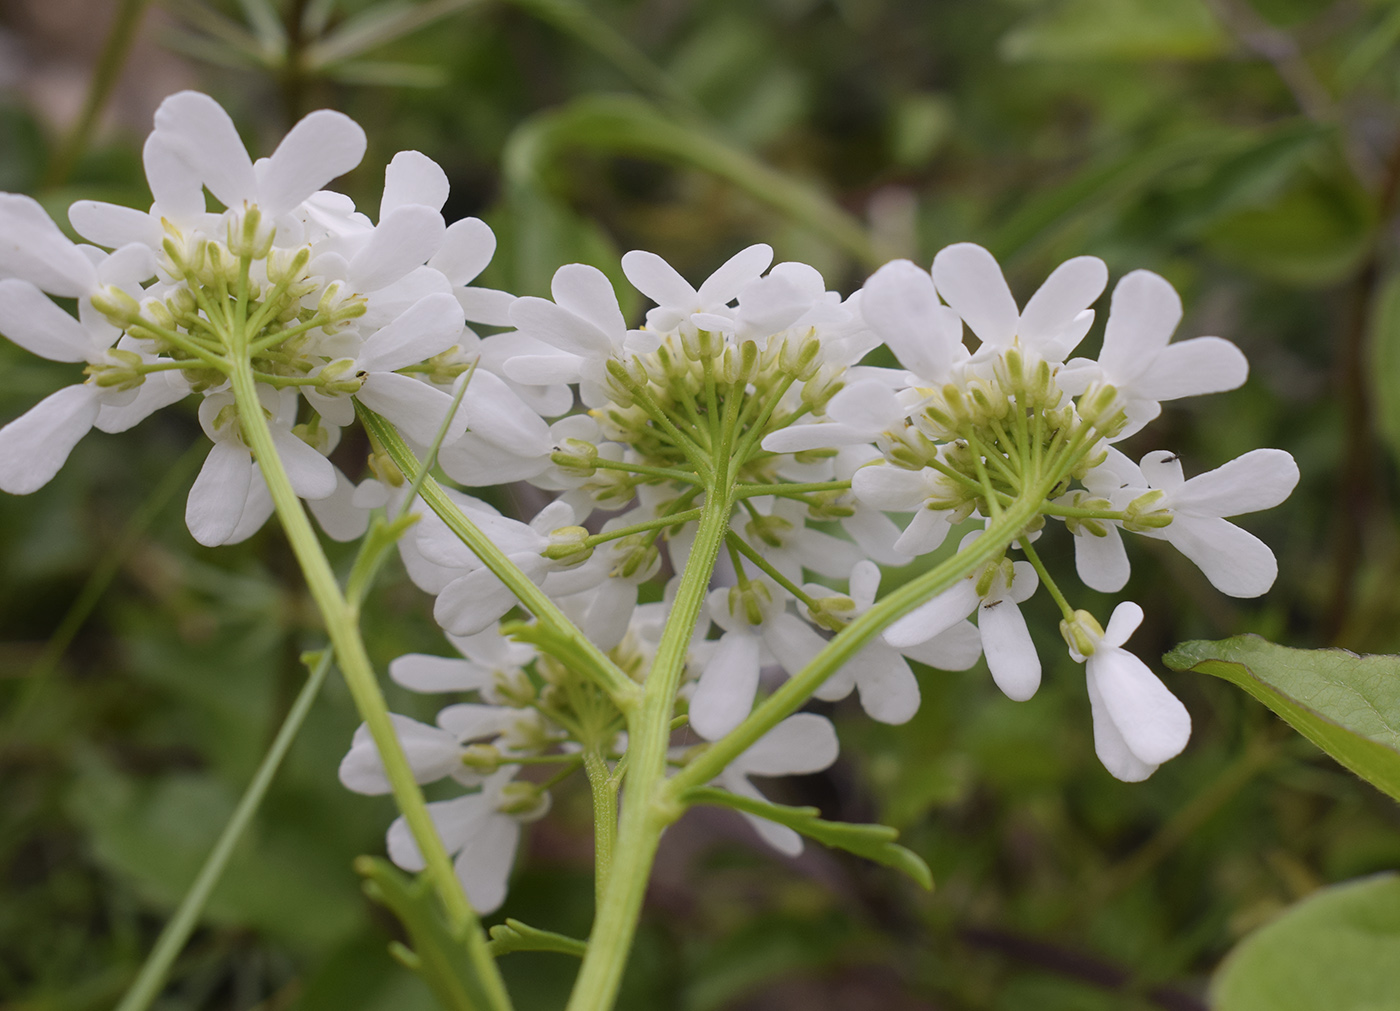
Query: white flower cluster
x=746, y=393
x=323, y=302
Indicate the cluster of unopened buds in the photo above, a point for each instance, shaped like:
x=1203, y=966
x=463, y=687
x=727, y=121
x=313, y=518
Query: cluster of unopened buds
x=748, y=390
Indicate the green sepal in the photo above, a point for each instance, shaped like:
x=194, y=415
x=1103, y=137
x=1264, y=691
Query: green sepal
x=516, y=936
x=874, y=842
x=1346, y=704
x=433, y=952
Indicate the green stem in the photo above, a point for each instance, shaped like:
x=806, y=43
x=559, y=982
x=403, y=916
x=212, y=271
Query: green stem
x=660, y=523
x=171, y=942
x=665, y=473
x=1046, y=579
x=604, y=789
x=748, y=551
x=751, y=490
x=341, y=620
x=649, y=734
x=585, y=656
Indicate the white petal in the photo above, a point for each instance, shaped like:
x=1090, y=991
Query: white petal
x=658, y=280
x=1127, y=616
x=414, y=178
x=161, y=389
x=889, y=692
x=587, y=293
x=35, y=445
x=431, y=753
x=420, y=672
x=34, y=249
x=416, y=409
x=113, y=225
x=32, y=320
x=337, y=513
x=956, y=648
x=470, y=604
x=725, y=693
x=1162, y=469
x=1070, y=289
x=478, y=463
x=204, y=137
x=724, y=285
x=321, y=147
x=801, y=744
x=877, y=536
x=467, y=247
x=1234, y=560
x=405, y=239
x=486, y=305
x=484, y=864
x=177, y=189
x=1010, y=651
x=544, y=370
x=793, y=641
x=934, y=616
x=557, y=327
x=468, y=721
x=926, y=532
x=257, y=509
x=970, y=281
x=1152, y=721
x=886, y=486
x=1260, y=479
x=1144, y=313
x=219, y=492
x=311, y=474
x=900, y=304
x=431, y=326
x=494, y=412
x=1102, y=562
x=1112, y=750
x=1194, y=367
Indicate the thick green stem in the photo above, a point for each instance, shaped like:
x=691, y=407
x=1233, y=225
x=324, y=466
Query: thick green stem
x=604, y=790
x=649, y=734
x=342, y=626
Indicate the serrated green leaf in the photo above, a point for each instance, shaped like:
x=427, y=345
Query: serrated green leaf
x=516, y=936
x=435, y=954
x=874, y=842
x=1348, y=705
x=1337, y=950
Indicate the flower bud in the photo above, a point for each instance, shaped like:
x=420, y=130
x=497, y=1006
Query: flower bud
x=484, y=758
x=1082, y=634
x=121, y=370
x=576, y=457
x=120, y=308
x=569, y=545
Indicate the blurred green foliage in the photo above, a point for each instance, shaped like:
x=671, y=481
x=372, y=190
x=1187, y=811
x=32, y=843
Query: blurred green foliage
x=1249, y=151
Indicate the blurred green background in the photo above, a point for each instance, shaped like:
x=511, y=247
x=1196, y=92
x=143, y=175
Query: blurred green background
x=1249, y=151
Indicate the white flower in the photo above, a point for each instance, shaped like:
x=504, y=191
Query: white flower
x=229, y=480
x=1141, y=365
x=900, y=304
x=1007, y=643
x=677, y=303
x=799, y=745
x=1138, y=724
x=482, y=830
x=488, y=656
x=889, y=691
x=1054, y=321
x=725, y=693
x=1233, y=559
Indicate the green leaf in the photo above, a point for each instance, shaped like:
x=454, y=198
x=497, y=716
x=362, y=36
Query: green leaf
x=874, y=842
x=1337, y=950
x=435, y=954
x=1348, y=705
x=1118, y=30
x=516, y=936
x=1384, y=374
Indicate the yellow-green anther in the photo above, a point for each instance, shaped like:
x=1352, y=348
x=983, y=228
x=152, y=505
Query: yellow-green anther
x=635, y=554
x=119, y=307
x=523, y=799
x=771, y=530
x=828, y=505
x=484, y=758
x=833, y=613
x=338, y=377
x=121, y=370
x=825, y=384
x=1082, y=634
x=748, y=600
x=576, y=457
x=569, y=544
x=383, y=468
x=1143, y=513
